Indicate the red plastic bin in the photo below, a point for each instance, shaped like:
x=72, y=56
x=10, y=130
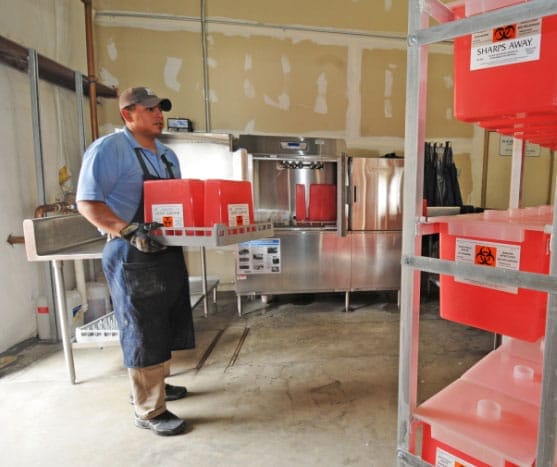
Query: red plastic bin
x=478, y=425
x=507, y=72
x=322, y=202
x=228, y=202
x=174, y=202
x=513, y=239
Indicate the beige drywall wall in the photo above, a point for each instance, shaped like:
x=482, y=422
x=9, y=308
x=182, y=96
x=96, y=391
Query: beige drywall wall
x=55, y=29
x=539, y=173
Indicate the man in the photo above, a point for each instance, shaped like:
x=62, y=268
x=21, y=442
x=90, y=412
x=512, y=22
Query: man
x=148, y=282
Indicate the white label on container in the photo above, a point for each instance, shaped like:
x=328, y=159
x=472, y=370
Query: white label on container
x=445, y=459
x=490, y=254
x=258, y=257
x=169, y=215
x=506, y=45
x=238, y=214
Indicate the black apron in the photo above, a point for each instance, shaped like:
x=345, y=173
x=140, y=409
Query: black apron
x=150, y=293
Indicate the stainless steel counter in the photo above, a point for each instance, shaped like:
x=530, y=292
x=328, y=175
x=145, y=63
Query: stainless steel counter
x=73, y=238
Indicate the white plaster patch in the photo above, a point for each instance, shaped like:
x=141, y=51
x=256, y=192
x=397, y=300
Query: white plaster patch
x=449, y=113
x=448, y=80
x=248, y=62
x=213, y=98
x=282, y=102
x=250, y=127
x=211, y=62
x=320, y=106
x=111, y=50
x=171, y=70
x=249, y=89
x=388, y=108
x=388, y=5
x=388, y=83
x=108, y=78
x=285, y=63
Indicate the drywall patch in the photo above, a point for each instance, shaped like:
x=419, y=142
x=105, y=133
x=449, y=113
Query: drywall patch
x=388, y=92
x=211, y=62
x=282, y=102
x=448, y=80
x=213, y=97
x=250, y=127
x=108, y=78
x=248, y=62
x=171, y=70
x=388, y=5
x=285, y=64
x=111, y=50
x=320, y=106
x=249, y=89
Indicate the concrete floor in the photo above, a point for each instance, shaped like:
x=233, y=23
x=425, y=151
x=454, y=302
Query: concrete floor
x=296, y=382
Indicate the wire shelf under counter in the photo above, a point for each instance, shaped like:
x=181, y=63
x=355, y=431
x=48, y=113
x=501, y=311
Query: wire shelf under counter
x=218, y=235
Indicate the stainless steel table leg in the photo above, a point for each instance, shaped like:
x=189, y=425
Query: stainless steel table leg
x=57, y=267
x=239, y=302
x=347, y=301
x=204, y=281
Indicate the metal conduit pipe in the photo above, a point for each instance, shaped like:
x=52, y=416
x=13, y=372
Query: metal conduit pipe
x=205, y=67
x=91, y=68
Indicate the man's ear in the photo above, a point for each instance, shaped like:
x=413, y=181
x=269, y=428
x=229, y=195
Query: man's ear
x=126, y=115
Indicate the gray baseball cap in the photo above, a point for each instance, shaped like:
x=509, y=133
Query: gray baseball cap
x=143, y=96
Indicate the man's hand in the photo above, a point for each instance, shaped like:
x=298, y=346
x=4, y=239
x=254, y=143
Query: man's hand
x=138, y=236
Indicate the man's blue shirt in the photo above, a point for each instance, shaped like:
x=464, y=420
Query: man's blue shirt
x=111, y=173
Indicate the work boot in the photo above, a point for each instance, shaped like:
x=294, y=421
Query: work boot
x=171, y=393
x=165, y=424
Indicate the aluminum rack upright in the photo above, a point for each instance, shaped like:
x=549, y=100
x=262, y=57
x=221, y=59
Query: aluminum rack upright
x=420, y=36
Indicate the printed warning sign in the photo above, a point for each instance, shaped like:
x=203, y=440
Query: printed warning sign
x=506, y=45
x=490, y=254
x=258, y=257
x=238, y=215
x=169, y=215
x=445, y=459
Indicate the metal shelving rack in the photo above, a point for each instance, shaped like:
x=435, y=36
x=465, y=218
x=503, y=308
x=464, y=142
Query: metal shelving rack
x=420, y=36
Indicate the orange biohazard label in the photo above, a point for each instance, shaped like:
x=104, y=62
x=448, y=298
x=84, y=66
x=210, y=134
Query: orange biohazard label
x=168, y=221
x=485, y=255
x=504, y=33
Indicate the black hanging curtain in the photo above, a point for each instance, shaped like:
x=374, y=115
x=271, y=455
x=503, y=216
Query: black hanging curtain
x=441, y=186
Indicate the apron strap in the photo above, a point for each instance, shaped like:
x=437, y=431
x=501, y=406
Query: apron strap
x=146, y=174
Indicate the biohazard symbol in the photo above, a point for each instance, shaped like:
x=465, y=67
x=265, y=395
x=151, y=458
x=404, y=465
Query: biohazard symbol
x=504, y=33
x=485, y=255
x=168, y=221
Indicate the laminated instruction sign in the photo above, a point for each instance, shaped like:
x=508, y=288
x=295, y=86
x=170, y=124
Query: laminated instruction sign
x=506, y=45
x=258, y=257
x=495, y=255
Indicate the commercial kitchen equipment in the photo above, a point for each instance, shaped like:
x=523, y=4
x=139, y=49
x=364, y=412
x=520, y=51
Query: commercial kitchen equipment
x=337, y=219
x=59, y=239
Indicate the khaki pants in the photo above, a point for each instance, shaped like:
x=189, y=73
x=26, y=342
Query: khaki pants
x=148, y=389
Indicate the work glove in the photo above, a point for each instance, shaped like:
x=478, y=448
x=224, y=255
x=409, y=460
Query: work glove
x=138, y=236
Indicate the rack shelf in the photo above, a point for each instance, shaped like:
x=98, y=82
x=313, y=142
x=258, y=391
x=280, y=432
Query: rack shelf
x=420, y=35
x=216, y=236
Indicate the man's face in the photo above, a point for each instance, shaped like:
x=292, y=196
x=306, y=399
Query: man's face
x=148, y=121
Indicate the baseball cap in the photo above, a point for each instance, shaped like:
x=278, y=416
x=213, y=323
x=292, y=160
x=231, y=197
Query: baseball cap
x=143, y=96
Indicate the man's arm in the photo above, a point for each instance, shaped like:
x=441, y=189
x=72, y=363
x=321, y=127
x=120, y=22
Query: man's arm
x=101, y=216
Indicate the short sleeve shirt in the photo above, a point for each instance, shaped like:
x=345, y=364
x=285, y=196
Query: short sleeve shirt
x=111, y=173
